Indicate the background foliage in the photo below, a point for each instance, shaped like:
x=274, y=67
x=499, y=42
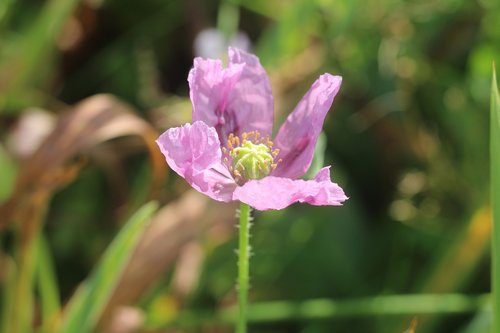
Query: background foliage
x=407, y=137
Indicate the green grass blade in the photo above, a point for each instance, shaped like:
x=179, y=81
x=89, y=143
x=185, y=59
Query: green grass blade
x=480, y=323
x=47, y=286
x=24, y=299
x=320, y=309
x=5, y=7
x=373, y=306
x=8, y=287
x=495, y=197
x=87, y=304
x=34, y=48
x=319, y=157
x=8, y=172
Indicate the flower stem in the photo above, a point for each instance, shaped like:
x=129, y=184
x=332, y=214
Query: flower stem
x=243, y=266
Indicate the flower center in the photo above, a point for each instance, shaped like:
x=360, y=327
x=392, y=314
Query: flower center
x=250, y=157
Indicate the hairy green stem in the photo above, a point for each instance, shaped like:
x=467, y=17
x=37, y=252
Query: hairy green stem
x=243, y=266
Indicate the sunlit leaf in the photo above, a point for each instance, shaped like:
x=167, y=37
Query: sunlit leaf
x=86, y=305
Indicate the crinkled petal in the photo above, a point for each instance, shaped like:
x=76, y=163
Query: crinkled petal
x=234, y=100
x=278, y=193
x=251, y=100
x=210, y=86
x=323, y=174
x=193, y=151
x=297, y=137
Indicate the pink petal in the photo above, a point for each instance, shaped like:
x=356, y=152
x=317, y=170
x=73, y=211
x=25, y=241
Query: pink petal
x=278, y=193
x=234, y=100
x=251, y=99
x=210, y=86
x=193, y=151
x=297, y=137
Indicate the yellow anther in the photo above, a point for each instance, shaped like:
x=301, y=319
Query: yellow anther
x=249, y=156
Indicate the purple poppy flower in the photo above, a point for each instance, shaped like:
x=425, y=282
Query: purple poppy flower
x=227, y=152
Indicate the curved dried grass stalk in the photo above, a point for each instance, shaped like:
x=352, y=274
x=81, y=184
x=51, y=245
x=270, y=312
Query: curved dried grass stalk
x=174, y=227
x=91, y=122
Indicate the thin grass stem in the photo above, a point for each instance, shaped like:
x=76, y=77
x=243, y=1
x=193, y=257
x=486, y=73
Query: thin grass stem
x=495, y=197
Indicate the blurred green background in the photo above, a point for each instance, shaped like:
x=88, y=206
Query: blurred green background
x=407, y=137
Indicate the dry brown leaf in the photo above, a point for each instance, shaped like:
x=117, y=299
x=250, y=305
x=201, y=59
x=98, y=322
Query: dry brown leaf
x=187, y=269
x=126, y=319
x=94, y=120
x=173, y=227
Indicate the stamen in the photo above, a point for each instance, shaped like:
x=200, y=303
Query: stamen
x=249, y=156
